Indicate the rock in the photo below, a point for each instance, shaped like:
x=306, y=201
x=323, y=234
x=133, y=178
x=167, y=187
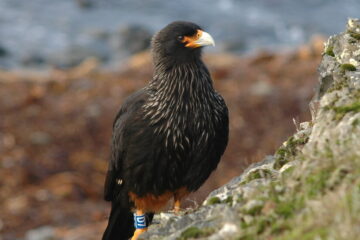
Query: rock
x=74, y=55
x=307, y=179
x=253, y=207
x=41, y=233
x=227, y=231
x=32, y=60
x=40, y=138
x=131, y=39
x=3, y=52
x=262, y=88
x=204, y=222
x=18, y=204
x=236, y=187
x=1, y=224
x=85, y=4
x=236, y=45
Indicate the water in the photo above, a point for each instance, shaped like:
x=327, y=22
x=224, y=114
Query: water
x=46, y=27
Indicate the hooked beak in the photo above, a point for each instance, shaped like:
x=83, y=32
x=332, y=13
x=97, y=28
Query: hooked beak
x=200, y=39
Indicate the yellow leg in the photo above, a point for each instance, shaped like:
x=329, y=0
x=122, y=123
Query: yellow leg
x=177, y=206
x=138, y=231
x=179, y=194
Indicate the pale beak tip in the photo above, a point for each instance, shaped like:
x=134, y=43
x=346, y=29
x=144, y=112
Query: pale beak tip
x=205, y=39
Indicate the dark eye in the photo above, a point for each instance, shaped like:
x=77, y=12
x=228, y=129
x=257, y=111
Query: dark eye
x=180, y=38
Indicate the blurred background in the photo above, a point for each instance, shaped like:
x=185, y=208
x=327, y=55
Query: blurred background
x=66, y=66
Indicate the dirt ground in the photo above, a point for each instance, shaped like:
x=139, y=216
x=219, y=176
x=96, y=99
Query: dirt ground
x=55, y=131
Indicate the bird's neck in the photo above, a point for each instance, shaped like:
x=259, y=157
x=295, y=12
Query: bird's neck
x=184, y=79
x=180, y=90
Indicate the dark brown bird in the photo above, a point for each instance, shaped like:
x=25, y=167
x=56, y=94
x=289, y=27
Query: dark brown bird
x=167, y=137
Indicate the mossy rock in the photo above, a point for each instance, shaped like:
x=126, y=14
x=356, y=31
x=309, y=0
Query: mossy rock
x=317, y=233
x=195, y=232
x=279, y=227
x=258, y=174
x=330, y=51
x=253, y=207
x=229, y=200
x=341, y=111
x=316, y=182
x=354, y=35
x=356, y=122
x=287, y=209
x=288, y=151
x=354, y=107
x=338, y=85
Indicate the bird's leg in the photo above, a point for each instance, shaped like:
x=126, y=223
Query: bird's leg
x=180, y=194
x=141, y=224
x=177, y=206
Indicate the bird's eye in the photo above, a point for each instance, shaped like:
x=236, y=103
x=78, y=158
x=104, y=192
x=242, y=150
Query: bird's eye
x=180, y=38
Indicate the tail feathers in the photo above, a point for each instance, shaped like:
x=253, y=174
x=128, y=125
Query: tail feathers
x=121, y=224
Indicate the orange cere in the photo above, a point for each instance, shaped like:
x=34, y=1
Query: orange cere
x=190, y=40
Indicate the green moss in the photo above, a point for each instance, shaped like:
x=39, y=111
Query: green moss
x=262, y=224
x=342, y=110
x=213, y=200
x=308, y=234
x=355, y=107
x=244, y=225
x=281, y=158
x=338, y=85
x=316, y=183
x=347, y=67
x=228, y=200
x=286, y=209
x=337, y=177
x=216, y=200
x=285, y=153
x=247, y=237
x=288, y=171
x=194, y=232
x=355, y=35
x=254, y=210
x=257, y=174
x=279, y=227
x=330, y=51
x=355, y=123
x=191, y=232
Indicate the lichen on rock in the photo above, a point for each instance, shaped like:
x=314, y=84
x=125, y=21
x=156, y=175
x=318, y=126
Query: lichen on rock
x=310, y=188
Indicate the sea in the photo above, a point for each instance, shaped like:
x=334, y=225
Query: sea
x=43, y=28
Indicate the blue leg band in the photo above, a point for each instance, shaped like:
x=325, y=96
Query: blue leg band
x=140, y=222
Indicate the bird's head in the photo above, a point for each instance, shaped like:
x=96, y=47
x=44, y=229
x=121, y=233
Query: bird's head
x=180, y=42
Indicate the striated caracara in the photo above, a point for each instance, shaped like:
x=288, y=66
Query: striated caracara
x=167, y=137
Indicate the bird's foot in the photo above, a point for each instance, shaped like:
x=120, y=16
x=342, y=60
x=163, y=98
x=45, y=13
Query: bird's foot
x=177, y=207
x=138, y=232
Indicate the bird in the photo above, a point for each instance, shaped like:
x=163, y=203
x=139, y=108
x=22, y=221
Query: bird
x=167, y=137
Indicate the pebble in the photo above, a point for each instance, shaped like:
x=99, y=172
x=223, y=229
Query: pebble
x=41, y=233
